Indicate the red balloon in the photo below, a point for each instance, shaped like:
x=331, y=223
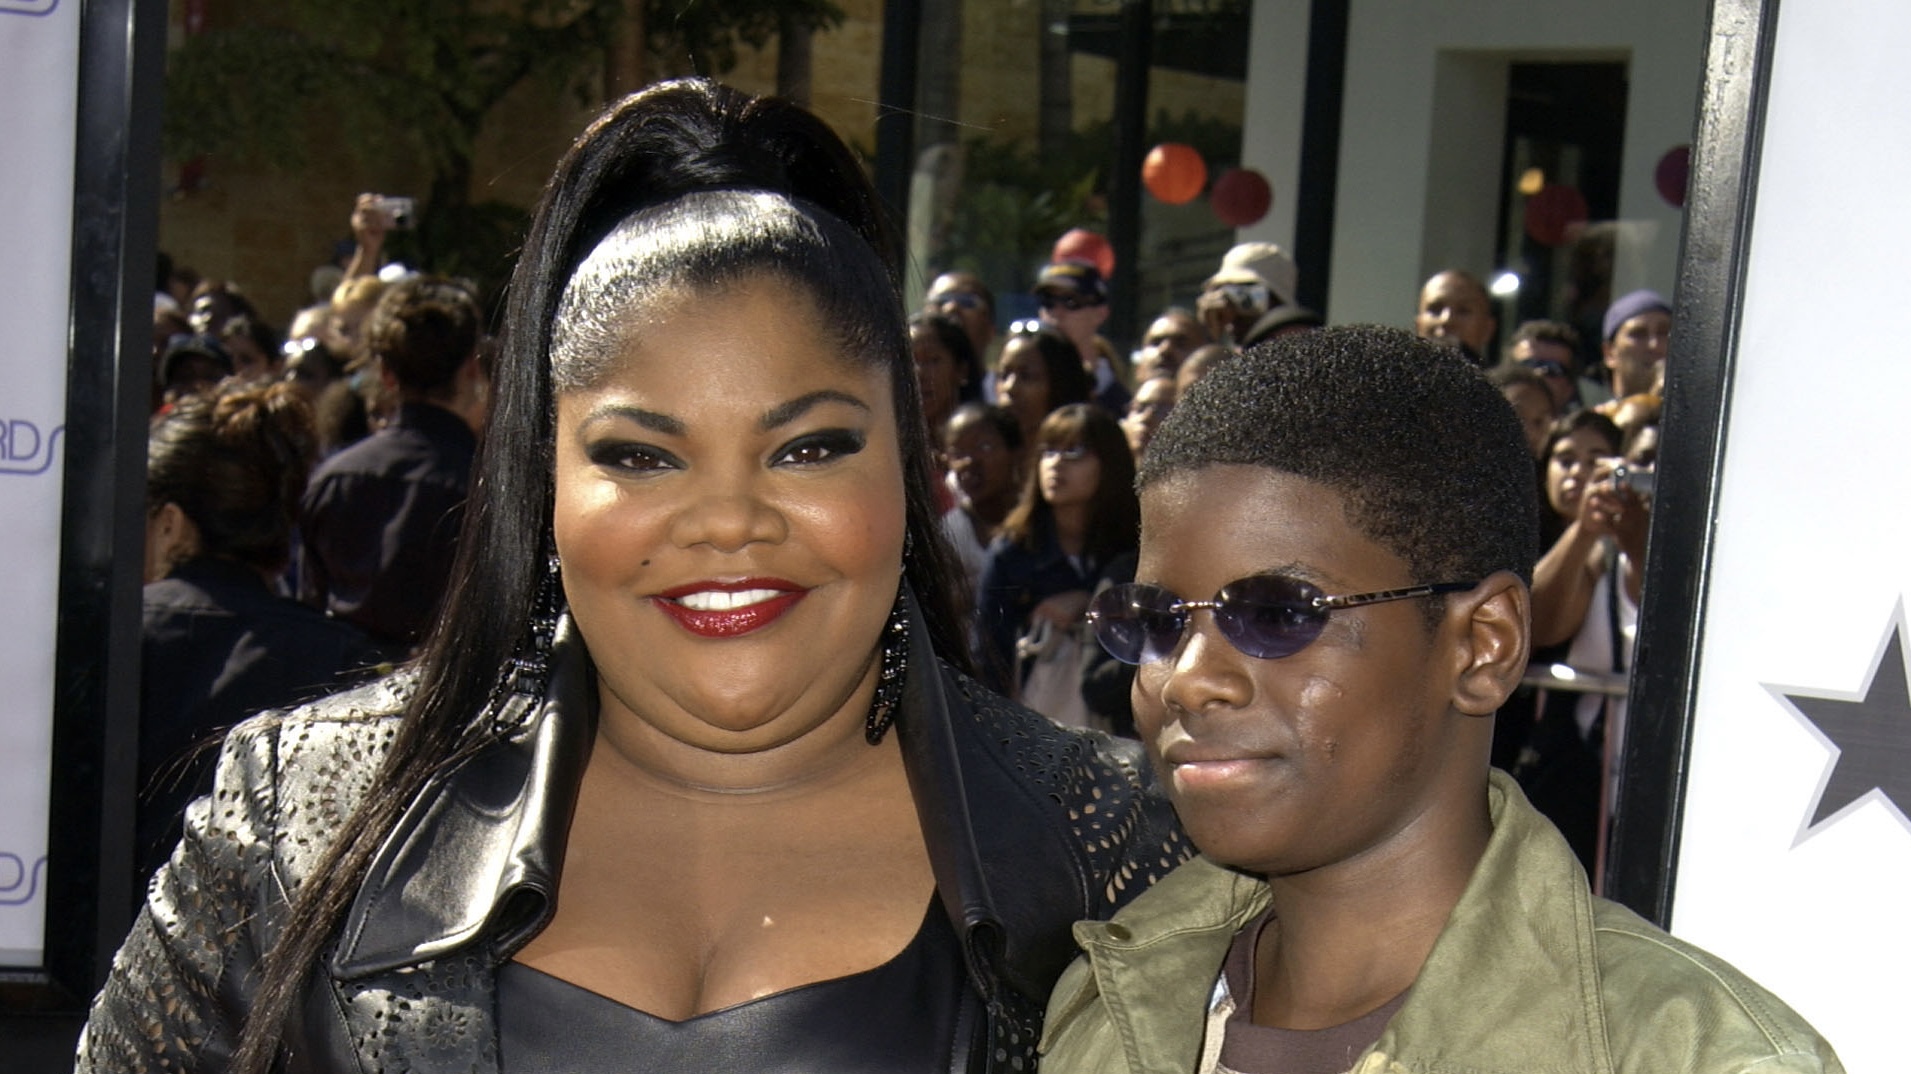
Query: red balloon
x=1554, y=213
x=1240, y=197
x=1671, y=175
x=1081, y=244
x=1174, y=173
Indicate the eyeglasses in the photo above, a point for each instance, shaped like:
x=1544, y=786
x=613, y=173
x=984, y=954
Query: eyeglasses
x=961, y=299
x=1266, y=616
x=1545, y=367
x=1027, y=326
x=1049, y=300
x=1243, y=296
x=1071, y=453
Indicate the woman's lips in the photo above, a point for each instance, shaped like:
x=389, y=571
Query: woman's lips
x=729, y=609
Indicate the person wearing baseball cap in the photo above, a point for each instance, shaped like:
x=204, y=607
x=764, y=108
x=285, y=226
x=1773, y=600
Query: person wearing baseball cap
x=1074, y=301
x=1254, y=278
x=1636, y=330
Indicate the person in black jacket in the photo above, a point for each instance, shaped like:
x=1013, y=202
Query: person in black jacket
x=218, y=642
x=689, y=775
x=379, y=521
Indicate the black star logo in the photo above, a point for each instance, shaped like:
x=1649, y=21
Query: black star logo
x=1869, y=734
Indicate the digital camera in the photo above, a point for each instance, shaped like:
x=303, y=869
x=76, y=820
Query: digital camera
x=1641, y=480
x=400, y=213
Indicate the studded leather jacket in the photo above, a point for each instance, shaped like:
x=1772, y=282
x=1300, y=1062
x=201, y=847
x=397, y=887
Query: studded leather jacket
x=1030, y=827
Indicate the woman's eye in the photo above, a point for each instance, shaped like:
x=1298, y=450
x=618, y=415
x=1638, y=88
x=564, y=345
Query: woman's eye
x=820, y=447
x=636, y=458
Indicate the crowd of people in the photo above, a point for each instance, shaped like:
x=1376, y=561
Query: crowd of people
x=1036, y=427
x=703, y=596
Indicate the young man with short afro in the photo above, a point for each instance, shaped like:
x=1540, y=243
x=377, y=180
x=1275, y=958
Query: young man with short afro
x=1331, y=602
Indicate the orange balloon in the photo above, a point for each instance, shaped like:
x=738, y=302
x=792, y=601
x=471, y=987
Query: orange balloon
x=1174, y=173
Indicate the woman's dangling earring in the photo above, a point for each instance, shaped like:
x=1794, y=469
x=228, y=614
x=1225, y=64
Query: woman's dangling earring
x=523, y=679
x=895, y=665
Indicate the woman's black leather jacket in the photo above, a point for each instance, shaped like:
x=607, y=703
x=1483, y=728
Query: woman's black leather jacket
x=1030, y=827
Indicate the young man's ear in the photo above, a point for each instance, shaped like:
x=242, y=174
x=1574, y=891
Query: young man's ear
x=1495, y=624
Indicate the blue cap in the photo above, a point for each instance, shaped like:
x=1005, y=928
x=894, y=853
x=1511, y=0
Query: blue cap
x=1628, y=306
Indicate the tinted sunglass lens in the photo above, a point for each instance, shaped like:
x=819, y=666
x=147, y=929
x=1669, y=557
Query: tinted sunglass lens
x=1137, y=623
x=1270, y=616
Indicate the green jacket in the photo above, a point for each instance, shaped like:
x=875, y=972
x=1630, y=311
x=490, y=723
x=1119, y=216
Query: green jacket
x=1531, y=974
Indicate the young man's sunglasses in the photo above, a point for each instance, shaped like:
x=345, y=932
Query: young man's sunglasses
x=1049, y=300
x=1266, y=616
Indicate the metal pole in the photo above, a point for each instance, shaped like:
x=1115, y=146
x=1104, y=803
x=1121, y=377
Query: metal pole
x=1133, y=59
x=896, y=114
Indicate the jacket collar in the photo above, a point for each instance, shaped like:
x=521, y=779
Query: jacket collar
x=478, y=852
x=1515, y=957
x=477, y=855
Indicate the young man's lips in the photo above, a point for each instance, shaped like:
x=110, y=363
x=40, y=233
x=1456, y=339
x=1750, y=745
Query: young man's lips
x=1200, y=768
x=728, y=609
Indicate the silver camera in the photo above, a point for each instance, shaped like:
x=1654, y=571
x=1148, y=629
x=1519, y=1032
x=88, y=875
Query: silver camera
x=1641, y=480
x=400, y=213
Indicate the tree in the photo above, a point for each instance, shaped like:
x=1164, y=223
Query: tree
x=421, y=77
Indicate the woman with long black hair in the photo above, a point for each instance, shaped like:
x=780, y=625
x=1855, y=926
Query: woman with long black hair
x=689, y=776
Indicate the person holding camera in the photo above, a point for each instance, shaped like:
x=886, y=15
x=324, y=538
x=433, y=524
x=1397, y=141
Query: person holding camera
x=1586, y=592
x=373, y=216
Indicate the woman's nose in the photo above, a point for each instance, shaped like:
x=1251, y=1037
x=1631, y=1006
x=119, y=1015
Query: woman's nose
x=729, y=519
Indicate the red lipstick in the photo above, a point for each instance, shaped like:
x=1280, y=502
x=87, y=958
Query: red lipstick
x=729, y=609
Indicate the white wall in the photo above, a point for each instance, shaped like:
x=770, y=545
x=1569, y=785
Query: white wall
x=1809, y=575
x=1271, y=116
x=39, y=104
x=1419, y=184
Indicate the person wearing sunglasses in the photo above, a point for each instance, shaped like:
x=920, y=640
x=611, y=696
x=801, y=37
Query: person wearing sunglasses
x=965, y=297
x=1331, y=601
x=1073, y=298
x=1254, y=279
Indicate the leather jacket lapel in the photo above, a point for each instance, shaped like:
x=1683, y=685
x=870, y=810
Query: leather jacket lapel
x=479, y=852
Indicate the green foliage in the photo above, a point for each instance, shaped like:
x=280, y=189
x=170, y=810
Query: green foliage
x=1015, y=202
x=284, y=84
x=702, y=36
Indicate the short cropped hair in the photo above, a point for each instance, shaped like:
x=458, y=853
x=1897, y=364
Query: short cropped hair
x=1428, y=456
x=423, y=329
x=1546, y=332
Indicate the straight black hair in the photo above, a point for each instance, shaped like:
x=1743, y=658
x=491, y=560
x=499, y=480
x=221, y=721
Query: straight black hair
x=655, y=147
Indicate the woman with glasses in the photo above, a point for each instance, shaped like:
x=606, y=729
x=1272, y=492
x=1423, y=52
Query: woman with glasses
x=688, y=776
x=1040, y=371
x=1075, y=521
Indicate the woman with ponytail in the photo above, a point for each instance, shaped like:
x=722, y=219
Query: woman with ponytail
x=690, y=775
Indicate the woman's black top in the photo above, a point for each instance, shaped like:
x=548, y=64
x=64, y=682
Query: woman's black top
x=914, y=1014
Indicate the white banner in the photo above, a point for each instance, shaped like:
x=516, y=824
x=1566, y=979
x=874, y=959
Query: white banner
x=1795, y=856
x=39, y=86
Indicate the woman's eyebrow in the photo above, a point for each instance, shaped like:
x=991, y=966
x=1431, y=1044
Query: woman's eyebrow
x=649, y=419
x=784, y=413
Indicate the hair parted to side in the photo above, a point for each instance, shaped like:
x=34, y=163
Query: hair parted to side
x=1068, y=380
x=955, y=339
x=1427, y=455
x=235, y=461
x=1114, y=524
x=1585, y=418
x=675, y=155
